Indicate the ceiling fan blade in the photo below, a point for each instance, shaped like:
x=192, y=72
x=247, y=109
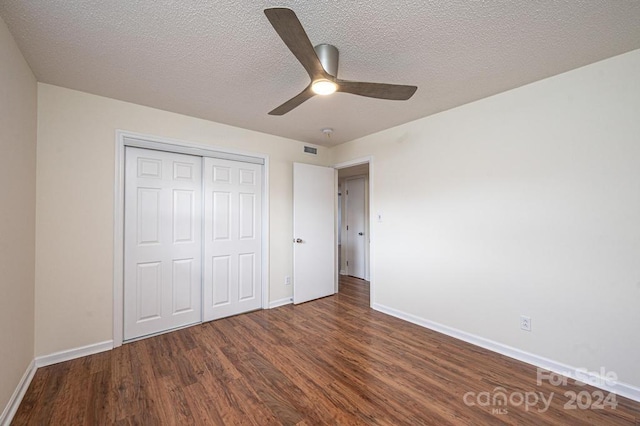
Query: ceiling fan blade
x=290, y=30
x=396, y=92
x=293, y=102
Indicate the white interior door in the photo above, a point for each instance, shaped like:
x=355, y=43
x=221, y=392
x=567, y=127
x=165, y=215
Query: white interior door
x=162, y=241
x=314, y=197
x=233, y=238
x=356, y=227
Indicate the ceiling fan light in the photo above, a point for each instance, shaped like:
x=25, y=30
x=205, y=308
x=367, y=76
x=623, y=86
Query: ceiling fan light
x=324, y=87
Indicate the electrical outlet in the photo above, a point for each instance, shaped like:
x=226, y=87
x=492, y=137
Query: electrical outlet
x=287, y=280
x=525, y=323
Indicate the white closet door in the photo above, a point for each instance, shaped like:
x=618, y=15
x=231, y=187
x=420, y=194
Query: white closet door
x=163, y=241
x=356, y=235
x=232, y=232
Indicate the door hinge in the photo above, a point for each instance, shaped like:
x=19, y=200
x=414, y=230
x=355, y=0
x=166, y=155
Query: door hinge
x=347, y=227
x=347, y=263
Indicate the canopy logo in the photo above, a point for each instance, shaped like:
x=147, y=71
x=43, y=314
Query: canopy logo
x=499, y=400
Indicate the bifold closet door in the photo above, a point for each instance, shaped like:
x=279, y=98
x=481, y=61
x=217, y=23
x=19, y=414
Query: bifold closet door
x=232, y=233
x=163, y=241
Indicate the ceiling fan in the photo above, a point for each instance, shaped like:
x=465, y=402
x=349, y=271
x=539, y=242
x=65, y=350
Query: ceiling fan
x=321, y=64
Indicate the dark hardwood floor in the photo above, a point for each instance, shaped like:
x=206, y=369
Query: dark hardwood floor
x=330, y=361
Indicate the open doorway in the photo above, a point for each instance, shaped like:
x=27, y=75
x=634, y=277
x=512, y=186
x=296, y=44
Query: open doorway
x=353, y=221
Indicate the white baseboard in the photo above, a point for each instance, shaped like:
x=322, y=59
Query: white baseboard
x=15, y=400
x=42, y=361
x=69, y=354
x=281, y=302
x=343, y=272
x=622, y=389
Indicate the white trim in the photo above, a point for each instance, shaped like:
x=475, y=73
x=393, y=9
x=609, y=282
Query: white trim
x=173, y=145
x=182, y=146
x=16, y=398
x=199, y=151
x=281, y=302
x=118, y=244
x=336, y=243
x=372, y=233
x=69, y=354
x=354, y=162
x=265, y=234
x=622, y=389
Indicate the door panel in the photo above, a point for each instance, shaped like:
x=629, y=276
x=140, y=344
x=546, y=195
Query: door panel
x=247, y=216
x=221, y=219
x=148, y=291
x=182, y=289
x=148, y=223
x=314, y=195
x=163, y=244
x=183, y=215
x=246, y=276
x=356, y=227
x=233, y=246
x=221, y=280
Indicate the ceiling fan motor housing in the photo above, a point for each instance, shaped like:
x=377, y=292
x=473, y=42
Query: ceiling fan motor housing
x=328, y=56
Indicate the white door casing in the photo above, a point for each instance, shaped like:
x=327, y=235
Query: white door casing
x=356, y=227
x=162, y=241
x=232, y=238
x=314, y=232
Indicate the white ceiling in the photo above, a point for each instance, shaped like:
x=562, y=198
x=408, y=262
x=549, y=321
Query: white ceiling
x=222, y=60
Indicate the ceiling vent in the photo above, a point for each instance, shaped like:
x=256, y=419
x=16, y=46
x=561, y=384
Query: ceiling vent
x=310, y=150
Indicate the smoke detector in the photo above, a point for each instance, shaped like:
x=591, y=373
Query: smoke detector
x=327, y=131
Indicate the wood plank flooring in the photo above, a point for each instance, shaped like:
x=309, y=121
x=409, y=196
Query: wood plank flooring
x=330, y=361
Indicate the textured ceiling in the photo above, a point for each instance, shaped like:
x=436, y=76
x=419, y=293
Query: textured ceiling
x=222, y=60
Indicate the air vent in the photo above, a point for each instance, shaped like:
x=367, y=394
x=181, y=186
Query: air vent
x=310, y=150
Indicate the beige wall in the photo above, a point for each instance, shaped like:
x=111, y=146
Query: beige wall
x=76, y=157
x=17, y=213
x=527, y=202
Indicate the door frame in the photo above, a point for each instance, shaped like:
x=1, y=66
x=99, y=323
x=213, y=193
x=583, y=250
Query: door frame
x=126, y=138
x=372, y=222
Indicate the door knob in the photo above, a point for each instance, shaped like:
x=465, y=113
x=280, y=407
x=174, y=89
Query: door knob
x=360, y=233
x=297, y=240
